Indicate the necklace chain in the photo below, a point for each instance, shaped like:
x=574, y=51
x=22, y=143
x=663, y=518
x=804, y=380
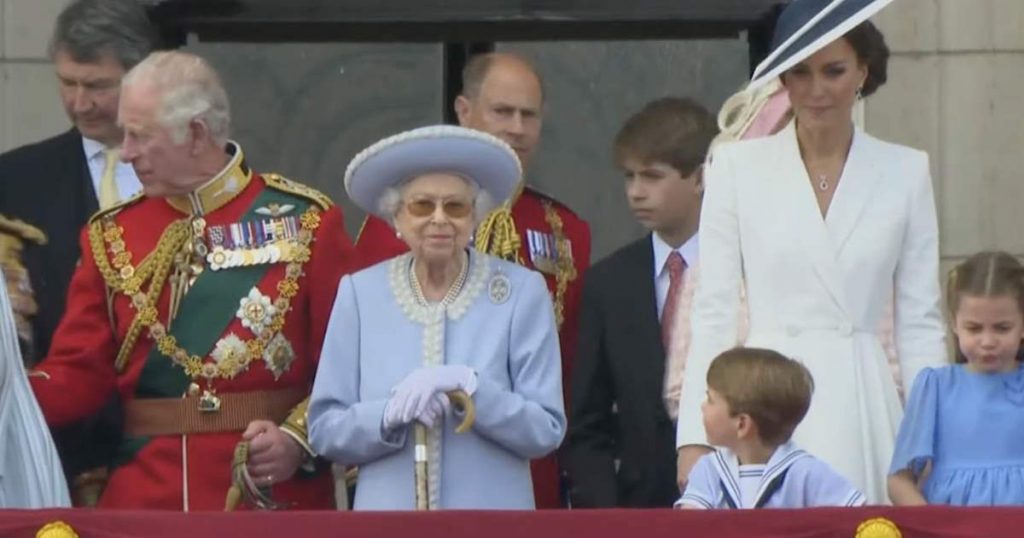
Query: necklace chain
x=453, y=291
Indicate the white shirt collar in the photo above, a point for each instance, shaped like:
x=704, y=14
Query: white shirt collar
x=689, y=251
x=92, y=147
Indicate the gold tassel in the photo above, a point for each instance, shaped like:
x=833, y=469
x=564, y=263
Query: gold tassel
x=497, y=235
x=14, y=234
x=22, y=230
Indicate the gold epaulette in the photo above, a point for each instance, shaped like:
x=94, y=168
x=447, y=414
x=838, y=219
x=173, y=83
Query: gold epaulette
x=116, y=207
x=21, y=230
x=96, y=229
x=281, y=183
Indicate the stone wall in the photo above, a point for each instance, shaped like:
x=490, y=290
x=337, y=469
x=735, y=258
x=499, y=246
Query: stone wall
x=956, y=80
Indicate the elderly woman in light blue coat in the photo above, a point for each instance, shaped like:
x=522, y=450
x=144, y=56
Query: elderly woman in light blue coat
x=443, y=317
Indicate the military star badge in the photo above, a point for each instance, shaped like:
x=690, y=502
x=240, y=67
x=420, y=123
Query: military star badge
x=278, y=356
x=255, y=310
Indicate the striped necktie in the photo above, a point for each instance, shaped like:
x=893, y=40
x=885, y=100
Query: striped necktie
x=676, y=266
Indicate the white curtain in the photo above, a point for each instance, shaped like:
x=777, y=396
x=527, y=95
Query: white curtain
x=30, y=470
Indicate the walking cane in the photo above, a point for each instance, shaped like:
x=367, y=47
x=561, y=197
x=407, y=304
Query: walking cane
x=463, y=404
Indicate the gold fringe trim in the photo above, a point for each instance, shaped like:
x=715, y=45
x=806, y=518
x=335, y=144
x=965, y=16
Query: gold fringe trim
x=497, y=235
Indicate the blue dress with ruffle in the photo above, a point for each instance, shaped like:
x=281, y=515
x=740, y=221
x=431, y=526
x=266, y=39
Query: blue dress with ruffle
x=971, y=426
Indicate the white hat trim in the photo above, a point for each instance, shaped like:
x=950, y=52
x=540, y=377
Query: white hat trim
x=436, y=131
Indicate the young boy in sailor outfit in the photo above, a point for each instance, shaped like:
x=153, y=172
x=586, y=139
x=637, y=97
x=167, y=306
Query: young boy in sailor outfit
x=755, y=399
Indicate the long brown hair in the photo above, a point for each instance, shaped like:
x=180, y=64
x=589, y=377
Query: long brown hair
x=985, y=274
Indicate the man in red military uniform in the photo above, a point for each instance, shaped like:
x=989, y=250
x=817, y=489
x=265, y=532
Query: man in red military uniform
x=502, y=95
x=203, y=303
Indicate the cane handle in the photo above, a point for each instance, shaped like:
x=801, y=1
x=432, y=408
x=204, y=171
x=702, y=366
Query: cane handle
x=464, y=405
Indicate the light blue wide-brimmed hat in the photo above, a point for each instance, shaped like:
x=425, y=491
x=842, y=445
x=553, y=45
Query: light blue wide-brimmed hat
x=467, y=153
x=807, y=26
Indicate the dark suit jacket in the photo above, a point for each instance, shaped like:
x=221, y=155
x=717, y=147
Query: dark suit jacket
x=620, y=364
x=48, y=185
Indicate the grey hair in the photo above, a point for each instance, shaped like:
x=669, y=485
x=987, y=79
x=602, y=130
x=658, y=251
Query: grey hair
x=88, y=29
x=190, y=90
x=391, y=200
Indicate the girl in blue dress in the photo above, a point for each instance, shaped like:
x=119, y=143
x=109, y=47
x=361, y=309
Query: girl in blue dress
x=961, y=439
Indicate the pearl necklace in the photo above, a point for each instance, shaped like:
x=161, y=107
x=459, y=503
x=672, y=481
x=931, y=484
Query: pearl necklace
x=453, y=291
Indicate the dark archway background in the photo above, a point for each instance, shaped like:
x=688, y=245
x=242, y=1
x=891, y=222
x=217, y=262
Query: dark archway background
x=314, y=81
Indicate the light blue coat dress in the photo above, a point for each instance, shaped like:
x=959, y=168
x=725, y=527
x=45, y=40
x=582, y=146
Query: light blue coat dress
x=501, y=325
x=971, y=427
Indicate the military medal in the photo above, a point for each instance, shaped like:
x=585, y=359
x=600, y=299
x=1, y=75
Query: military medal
x=198, y=226
x=218, y=259
x=198, y=231
x=253, y=242
x=216, y=236
x=275, y=254
x=543, y=253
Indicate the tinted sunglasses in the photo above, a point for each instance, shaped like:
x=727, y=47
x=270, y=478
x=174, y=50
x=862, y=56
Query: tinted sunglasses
x=424, y=207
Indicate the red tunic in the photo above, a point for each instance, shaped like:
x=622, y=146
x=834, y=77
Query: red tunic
x=190, y=472
x=377, y=242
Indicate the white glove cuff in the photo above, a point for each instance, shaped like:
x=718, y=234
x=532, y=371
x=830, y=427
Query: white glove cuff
x=469, y=382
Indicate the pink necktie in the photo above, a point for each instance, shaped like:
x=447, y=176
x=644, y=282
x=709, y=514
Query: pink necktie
x=676, y=266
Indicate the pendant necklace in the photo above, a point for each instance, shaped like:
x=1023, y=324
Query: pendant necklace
x=823, y=182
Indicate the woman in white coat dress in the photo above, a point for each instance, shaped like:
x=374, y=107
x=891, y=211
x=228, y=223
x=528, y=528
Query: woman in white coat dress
x=824, y=224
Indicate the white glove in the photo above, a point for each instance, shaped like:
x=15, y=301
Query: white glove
x=413, y=396
x=437, y=408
